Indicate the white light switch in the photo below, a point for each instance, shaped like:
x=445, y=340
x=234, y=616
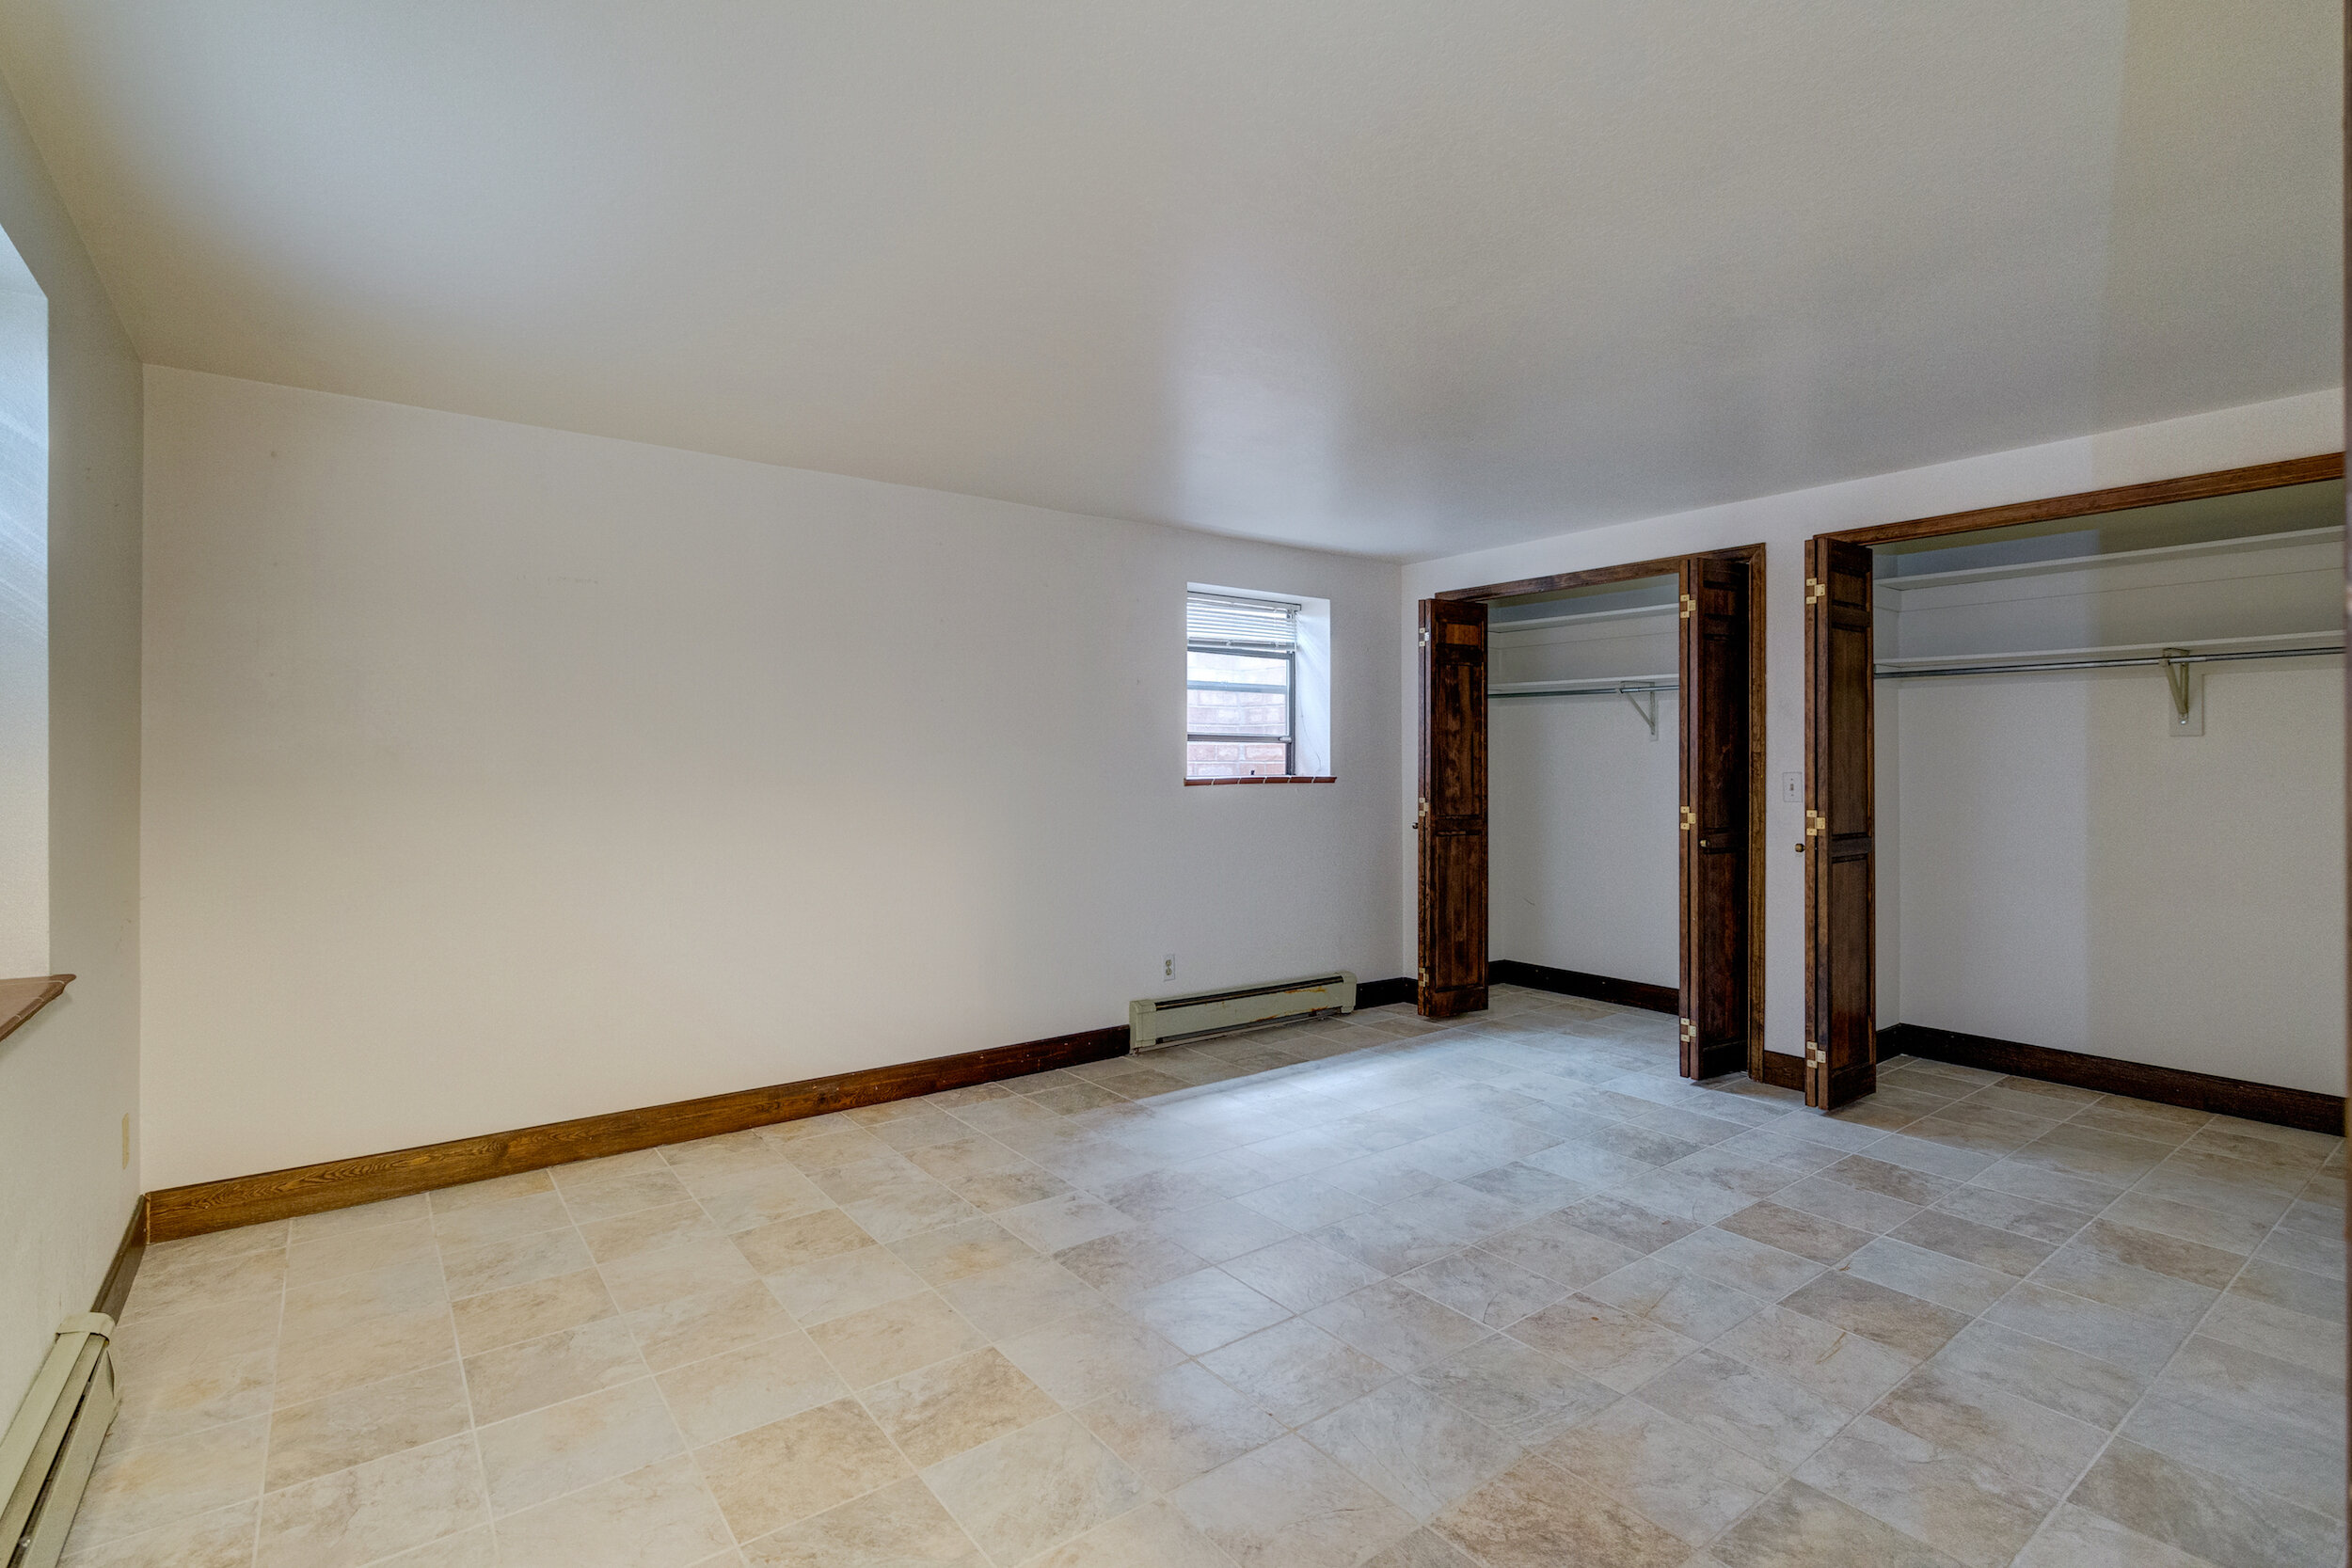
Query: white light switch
x=1793, y=788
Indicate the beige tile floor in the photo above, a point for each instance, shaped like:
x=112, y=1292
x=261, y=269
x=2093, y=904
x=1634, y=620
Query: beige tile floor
x=1502, y=1293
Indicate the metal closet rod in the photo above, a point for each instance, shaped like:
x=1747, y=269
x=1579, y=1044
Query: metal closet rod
x=1631, y=688
x=1601, y=689
x=1888, y=673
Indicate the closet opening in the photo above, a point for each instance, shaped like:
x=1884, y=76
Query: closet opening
x=1591, y=795
x=2074, y=786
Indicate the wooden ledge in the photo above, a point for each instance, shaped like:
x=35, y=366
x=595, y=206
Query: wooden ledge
x=1278, y=778
x=21, y=999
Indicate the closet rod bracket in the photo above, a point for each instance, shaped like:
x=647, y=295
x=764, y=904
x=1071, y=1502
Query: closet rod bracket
x=2177, y=677
x=1649, y=714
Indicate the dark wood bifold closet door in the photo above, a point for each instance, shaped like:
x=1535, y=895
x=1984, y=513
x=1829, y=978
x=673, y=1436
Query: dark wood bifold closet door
x=1452, y=818
x=1717, y=778
x=1841, y=862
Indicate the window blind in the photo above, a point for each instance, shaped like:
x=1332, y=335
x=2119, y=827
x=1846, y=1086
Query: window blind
x=1269, y=626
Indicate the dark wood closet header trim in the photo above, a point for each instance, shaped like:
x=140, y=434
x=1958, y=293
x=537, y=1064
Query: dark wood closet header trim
x=1594, y=988
x=168, y=1214
x=1593, y=576
x=21, y=999
x=1280, y=778
x=208, y=1206
x=2228, y=482
x=2196, y=1091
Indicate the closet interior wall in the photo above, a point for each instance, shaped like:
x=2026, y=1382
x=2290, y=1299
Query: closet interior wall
x=1582, y=818
x=2056, y=867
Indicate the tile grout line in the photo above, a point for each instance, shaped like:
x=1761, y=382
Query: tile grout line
x=1490, y=1072
x=465, y=1386
x=692, y=1454
x=574, y=1226
x=278, y=1340
x=2117, y=1431
x=1789, y=1475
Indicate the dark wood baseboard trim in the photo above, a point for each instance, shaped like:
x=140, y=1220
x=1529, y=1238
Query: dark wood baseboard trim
x=1575, y=982
x=115, y=1290
x=2197, y=1092
x=1782, y=1070
x=207, y=1206
x=1382, y=993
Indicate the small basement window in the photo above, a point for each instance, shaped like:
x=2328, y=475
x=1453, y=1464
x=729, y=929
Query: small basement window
x=1240, y=686
x=1256, y=680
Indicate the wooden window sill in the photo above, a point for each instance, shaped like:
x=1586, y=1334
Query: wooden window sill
x=1277, y=778
x=21, y=999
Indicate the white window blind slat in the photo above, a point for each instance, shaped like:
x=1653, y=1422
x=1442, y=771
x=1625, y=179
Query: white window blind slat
x=1267, y=624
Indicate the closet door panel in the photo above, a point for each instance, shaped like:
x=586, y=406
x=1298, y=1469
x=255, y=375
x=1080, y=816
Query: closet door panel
x=1716, y=781
x=1452, y=818
x=1841, y=1001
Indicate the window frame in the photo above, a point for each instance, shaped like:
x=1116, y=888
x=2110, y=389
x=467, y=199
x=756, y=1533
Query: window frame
x=1289, y=656
x=1289, y=703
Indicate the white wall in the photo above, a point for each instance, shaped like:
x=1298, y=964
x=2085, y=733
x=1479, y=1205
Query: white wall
x=2259, y=433
x=69, y=1076
x=1581, y=815
x=496, y=775
x=1581, y=826
x=2073, y=876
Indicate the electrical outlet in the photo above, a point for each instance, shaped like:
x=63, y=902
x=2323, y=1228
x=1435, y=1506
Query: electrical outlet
x=1792, y=789
x=126, y=1140
x=1167, y=967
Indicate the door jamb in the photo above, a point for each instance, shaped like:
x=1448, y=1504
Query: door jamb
x=1752, y=555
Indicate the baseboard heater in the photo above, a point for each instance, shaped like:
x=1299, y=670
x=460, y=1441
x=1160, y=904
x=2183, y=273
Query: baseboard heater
x=1162, y=1020
x=46, y=1456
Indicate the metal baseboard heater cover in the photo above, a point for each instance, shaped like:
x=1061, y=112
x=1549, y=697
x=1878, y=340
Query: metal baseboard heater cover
x=1164, y=1021
x=46, y=1456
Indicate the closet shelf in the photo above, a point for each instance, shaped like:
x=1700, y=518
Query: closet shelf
x=1544, y=622
x=2080, y=563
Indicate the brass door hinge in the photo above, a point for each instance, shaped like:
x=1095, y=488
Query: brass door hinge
x=1424, y=637
x=1815, y=1055
x=1689, y=605
x=1815, y=591
x=1690, y=819
x=1690, y=1029
x=1814, y=824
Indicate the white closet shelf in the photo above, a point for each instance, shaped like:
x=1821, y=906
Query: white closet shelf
x=1544, y=622
x=2119, y=558
x=2332, y=637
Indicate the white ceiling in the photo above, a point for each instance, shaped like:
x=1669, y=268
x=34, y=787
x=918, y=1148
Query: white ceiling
x=1400, y=276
